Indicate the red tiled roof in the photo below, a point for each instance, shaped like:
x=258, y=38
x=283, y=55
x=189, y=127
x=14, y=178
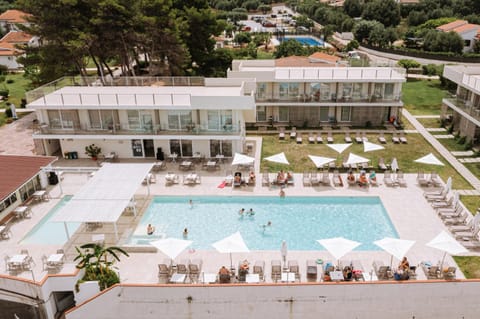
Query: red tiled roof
x=9, y=49
x=324, y=57
x=14, y=16
x=466, y=28
x=16, y=37
x=452, y=25
x=16, y=170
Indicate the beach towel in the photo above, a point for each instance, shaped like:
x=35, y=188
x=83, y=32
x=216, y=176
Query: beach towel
x=222, y=184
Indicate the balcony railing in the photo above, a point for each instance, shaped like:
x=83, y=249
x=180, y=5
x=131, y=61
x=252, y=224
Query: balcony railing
x=307, y=98
x=466, y=106
x=124, y=129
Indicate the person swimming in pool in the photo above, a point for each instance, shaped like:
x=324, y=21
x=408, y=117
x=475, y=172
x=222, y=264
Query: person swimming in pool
x=251, y=212
x=241, y=212
x=264, y=226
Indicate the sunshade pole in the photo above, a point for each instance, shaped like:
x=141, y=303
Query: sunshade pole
x=443, y=260
x=391, y=261
x=231, y=262
x=66, y=230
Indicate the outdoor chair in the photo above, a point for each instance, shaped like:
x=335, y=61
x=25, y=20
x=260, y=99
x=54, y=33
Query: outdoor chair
x=381, y=138
x=293, y=268
x=194, y=268
x=325, y=178
x=381, y=164
x=329, y=137
x=312, y=271
x=265, y=179
x=276, y=270
x=387, y=178
x=348, y=139
x=383, y=272
x=402, y=138
x=311, y=138
x=306, y=179
x=395, y=138
x=435, y=180
x=364, y=137
x=299, y=138
x=358, y=138
x=319, y=138
x=293, y=133
x=401, y=179
x=422, y=181
x=281, y=134
x=314, y=179
x=259, y=269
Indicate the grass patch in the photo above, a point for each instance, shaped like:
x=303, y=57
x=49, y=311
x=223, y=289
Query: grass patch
x=430, y=123
x=423, y=97
x=452, y=145
x=17, y=89
x=472, y=203
x=470, y=265
x=297, y=155
x=473, y=167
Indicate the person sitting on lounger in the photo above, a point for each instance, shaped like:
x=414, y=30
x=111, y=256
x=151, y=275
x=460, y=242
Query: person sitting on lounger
x=347, y=273
x=224, y=275
x=350, y=177
x=150, y=229
x=373, y=178
x=404, y=264
x=251, y=178
x=281, y=177
x=245, y=266
x=289, y=176
x=362, y=180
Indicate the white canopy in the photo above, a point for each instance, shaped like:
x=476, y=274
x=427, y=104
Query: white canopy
x=319, y=161
x=394, y=246
x=278, y=158
x=338, y=246
x=339, y=148
x=355, y=159
x=104, y=197
x=231, y=244
x=172, y=247
x=368, y=146
x=429, y=159
x=240, y=159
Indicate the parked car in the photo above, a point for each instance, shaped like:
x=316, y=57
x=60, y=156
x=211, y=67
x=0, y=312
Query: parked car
x=268, y=24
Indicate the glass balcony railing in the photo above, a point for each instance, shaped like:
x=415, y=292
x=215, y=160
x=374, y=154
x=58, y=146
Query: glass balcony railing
x=466, y=106
x=312, y=98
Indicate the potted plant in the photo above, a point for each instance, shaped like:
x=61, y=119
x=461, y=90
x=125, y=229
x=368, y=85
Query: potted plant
x=93, y=151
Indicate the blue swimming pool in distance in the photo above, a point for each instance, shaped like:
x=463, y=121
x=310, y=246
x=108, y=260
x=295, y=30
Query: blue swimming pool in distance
x=311, y=41
x=298, y=220
x=47, y=232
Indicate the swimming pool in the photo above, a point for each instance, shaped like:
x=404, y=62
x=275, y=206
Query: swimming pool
x=47, y=232
x=298, y=220
x=311, y=41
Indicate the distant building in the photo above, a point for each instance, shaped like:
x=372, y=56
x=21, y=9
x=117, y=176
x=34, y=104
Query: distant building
x=10, y=50
x=10, y=19
x=467, y=31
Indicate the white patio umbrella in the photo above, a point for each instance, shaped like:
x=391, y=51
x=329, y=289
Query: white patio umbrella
x=448, y=244
x=429, y=159
x=395, y=247
x=172, y=247
x=355, y=159
x=394, y=165
x=339, y=148
x=320, y=161
x=240, y=159
x=284, y=250
x=278, y=158
x=448, y=185
x=231, y=244
x=338, y=246
x=368, y=147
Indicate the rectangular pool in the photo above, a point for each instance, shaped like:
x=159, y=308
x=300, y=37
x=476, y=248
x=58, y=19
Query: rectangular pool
x=300, y=221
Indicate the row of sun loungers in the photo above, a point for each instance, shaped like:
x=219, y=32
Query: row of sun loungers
x=314, y=179
x=437, y=272
x=434, y=180
x=359, y=137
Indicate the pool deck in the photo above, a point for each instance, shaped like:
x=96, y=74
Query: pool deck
x=411, y=215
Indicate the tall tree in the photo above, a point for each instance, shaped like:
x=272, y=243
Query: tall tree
x=385, y=11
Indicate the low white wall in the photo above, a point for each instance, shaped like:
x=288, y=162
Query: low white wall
x=433, y=299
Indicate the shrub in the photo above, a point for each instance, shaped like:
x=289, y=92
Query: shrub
x=23, y=103
x=8, y=112
x=450, y=129
x=10, y=81
x=462, y=140
x=4, y=93
x=468, y=145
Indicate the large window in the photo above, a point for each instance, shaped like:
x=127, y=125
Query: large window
x=220, y=147
x=324, y=114
x=346, y=113
x=261, y=91
x=67, y=119
x=219, y=120
x=182, y=148
x=179, y=120
x=347, y=90
x=325, y=91
x=261, y=113
x=289, y=90
x=378, y=90
x=283, y=114
x=389, y=91
x=357, y=91
x=103, y=119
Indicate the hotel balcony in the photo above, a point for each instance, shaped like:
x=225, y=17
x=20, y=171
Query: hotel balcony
x=465, y=108
x=333, y=98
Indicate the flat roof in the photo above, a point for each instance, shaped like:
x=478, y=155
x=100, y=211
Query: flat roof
x=16, y=170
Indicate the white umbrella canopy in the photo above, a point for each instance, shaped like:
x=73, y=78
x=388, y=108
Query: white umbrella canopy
x=395, y=247
x=231, y=244
x=240, y=159
x=172, y=247
x=394, y=165
x=368, y=147
x=355, y=159
x=278, y=158
x=446, y=243
x=320, y=161
x=338, y=246
x=339, y=148
x=429, y=159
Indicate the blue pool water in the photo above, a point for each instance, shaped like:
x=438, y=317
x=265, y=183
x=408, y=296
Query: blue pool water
x=47, y=232
x=298, y=220
x=314, y=42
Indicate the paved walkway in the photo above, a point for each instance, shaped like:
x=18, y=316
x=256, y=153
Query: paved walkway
x=464, y=153
x=461, y=169
x=435, y=129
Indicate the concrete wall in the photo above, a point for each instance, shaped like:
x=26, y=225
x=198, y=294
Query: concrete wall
x=433, y=299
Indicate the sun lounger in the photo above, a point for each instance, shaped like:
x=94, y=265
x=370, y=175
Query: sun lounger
x=449, y=273
x=164, y=270
x=456, y=220
x=435, y=192
x=401, y=179
x=299, y=138
x=439, y=197
x=311, y=138
x=381, y=164
x=364, y=137
x=402, y=138
x=276, y=270
x=468, y=235
x=383, y=272
x=449, y=212
x=306, y=179
x=395, y=138
x=357, y=270
x=387, y=179
x=443, y=203
x=358, y=138
x=470, y=226
x=329, y=138
x=325, y=178
x=337, y=179
x=472, y=245
x=182, y=267
x=171, y=178
x=293, y=133
x=314, y=179
x=435, y=180
x=348, y=139
x=293, y=268
x=281, y=134
x=431, y=271
x=319, y=138
x=381, y=138
x=421, y=179
x=265, y=179
x=259, y=269
x=312, y=271
x=194, y=269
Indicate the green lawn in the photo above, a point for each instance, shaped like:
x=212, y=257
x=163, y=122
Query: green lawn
x=452, y=145
x=430, y=123
x=423, y=97
x=17, y=89
x=297, y=155
x=472, y=203
x=470, y=266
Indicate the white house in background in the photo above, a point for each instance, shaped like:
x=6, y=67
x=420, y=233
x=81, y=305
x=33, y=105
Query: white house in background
x=145, y=117
x=10, y=19
x=9, y=50
x=467, y=31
